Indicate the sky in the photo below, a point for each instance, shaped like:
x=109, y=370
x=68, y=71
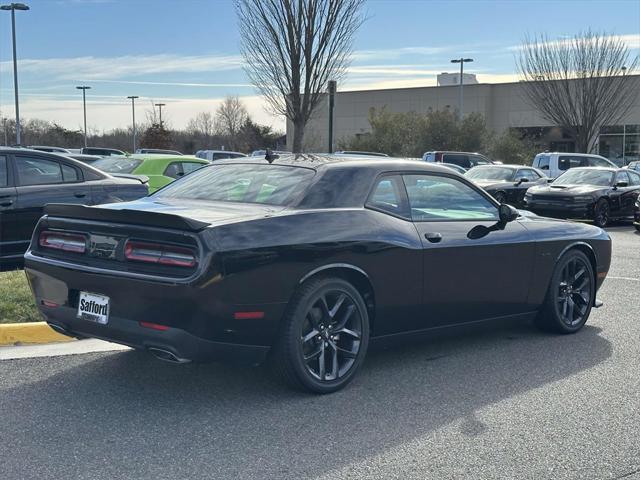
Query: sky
x=186, y=53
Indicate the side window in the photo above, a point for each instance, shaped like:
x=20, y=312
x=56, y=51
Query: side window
x=37, y=171
x=597, y=162
x=542, y=162
x=635, y=179
x=4, y=173
x=188, y=167
x=387, y=195
x=434, y=197
x=460, y=160
x=70, y=174
x=479, y=160
x=623, y=177
x=174, y=170
x=527, y=173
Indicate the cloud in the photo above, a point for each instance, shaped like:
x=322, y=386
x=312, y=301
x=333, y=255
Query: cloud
x=173, y=84
x=631, y=40
x=392, y=53
x=391, y=70
x=105, y=68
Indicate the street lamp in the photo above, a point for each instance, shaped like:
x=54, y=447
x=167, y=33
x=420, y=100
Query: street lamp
x=13, y=7
x=461, y=61
x=160, y=105
x=133, y=113
x=84, y=108
x=331, y=89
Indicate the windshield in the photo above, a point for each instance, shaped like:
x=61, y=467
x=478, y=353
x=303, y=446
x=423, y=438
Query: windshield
x=244, y=183
x=490, y=173
x=585, y=176
x=117, y=165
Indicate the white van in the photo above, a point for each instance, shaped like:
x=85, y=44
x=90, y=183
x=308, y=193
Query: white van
x=554, y=164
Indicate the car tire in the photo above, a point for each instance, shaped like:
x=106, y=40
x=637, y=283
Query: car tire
x=324, y=337
x=500, y=197
x=570, y=295
x=602, y=213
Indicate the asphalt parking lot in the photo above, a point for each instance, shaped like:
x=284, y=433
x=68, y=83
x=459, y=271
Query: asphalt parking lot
x=508, y=402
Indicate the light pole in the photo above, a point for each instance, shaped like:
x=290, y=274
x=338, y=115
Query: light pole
x=133, y=113
x=84, y=109
x=13, y=7
x=331, y=88
x=461, y=61
x=160, y=105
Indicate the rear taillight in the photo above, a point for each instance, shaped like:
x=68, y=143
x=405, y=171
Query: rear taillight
x=159, y=253
x=67, y=242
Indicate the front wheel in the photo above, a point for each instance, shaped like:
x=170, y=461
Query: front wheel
x=325, y=336
x=570, y=295
x=601, y=213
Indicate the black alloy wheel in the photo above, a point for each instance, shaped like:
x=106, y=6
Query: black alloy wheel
x=325, y=338
x=570, y=296
x=602, y=213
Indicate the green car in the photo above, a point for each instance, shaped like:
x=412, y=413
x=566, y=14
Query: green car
x=160, y=169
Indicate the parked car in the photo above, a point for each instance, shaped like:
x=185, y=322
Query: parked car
x=213, y=155
x=636, y=215
x=43, y=148
x=554, y=164
x=159, y=169
x=158, y=151
x=506, y=183
x=306, y=260
x=635, y=166
x=30, y=179
x=465, y=160
x=103, y=152
x=592, y=193
x=359, y=153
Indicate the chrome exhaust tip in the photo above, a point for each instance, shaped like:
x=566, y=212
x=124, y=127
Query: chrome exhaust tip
x=60, y=329
x=167, y=356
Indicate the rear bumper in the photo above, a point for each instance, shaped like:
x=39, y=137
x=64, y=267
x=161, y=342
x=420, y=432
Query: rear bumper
x=180, y=343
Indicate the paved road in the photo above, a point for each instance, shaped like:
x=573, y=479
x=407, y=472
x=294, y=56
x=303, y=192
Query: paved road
x=505, y=403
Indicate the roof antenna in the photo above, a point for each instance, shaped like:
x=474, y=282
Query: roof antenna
x=269, y=156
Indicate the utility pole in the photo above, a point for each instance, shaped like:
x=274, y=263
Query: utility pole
x=133, y=114
x=461, y=61
x=13, y=7
x=331, y=88
x=84, y=88
x=160, y=105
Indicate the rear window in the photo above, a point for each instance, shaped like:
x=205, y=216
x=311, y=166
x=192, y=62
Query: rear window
x=242, y=183
x=542, y=162
x=117, y=165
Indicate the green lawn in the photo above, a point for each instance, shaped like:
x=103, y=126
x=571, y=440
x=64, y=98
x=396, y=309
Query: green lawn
x=16, y=300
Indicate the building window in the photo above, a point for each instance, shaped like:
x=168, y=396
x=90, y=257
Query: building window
x=620, y=143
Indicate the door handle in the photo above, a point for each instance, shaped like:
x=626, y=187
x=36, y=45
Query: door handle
x=433, y=237
x=79, y=195
x=6, y=203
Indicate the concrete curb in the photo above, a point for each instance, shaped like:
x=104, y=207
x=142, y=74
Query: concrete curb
x=29, y=333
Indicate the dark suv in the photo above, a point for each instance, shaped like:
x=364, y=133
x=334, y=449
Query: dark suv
x=465, y=160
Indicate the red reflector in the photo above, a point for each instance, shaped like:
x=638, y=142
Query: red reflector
x=159, y=253
x=248, y=315
x=153, y=326
x=49, y=303
x=67, y=242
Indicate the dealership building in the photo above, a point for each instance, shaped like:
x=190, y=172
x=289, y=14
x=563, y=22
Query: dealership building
x=503, y=106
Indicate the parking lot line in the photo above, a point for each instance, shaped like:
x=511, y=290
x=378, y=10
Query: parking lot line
x=631, y=279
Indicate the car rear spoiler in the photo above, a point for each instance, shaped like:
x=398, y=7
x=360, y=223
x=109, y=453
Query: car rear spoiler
x=141, y=178
x=136, y=217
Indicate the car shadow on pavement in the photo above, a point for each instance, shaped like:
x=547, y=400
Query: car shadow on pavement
x=126, y=415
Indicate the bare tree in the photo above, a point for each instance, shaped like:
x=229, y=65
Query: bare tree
x=579, y=83
x=231, y=115
x=293, y=47
x=202, y=124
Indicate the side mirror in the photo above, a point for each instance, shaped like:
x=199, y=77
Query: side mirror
x=507, y=213
x=622, y=184
x=521, y=180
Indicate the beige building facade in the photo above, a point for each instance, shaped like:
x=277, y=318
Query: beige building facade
x=502, y=105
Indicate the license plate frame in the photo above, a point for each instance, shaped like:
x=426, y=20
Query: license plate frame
x=94, y=307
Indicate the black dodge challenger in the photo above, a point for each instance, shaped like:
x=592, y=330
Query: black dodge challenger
x=306, y=260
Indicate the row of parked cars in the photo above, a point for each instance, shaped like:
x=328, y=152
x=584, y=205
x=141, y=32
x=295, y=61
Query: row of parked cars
x=562, y=185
